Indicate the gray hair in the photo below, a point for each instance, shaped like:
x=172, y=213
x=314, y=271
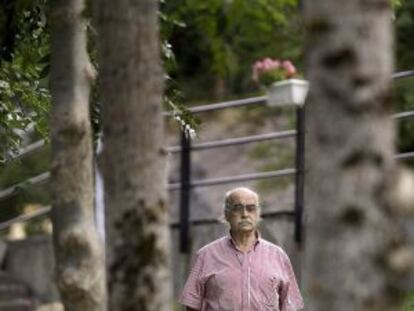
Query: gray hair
x=227, y=197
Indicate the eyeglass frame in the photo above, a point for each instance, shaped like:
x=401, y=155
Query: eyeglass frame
x=238, y=208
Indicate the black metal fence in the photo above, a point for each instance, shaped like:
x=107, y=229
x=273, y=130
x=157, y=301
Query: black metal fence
x=186, y=184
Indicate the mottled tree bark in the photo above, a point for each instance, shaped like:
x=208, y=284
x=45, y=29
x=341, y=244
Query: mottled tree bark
x=79, y=257
x=134, y=163
x=352, y=227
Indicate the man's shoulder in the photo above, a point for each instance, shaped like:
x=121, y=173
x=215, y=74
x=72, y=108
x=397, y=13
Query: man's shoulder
x=272, y=247
x=218, y=243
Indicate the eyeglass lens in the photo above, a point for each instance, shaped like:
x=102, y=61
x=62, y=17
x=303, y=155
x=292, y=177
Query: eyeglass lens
x=240, y=207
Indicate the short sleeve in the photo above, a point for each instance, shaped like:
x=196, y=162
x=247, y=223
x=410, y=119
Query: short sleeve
x=193, y=292
x=290, y=298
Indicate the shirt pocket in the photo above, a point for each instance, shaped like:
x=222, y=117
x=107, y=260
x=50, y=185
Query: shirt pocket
x=224, y=287
x=271, y=288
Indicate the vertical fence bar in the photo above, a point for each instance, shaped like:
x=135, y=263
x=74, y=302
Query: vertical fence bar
x=299, y=177
x=185, y=192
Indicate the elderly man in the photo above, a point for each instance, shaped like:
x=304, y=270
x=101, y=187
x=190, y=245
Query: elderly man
x=241, y=271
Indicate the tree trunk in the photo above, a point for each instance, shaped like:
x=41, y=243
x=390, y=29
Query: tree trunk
x=134, y=161
x=79, y=257
x=352, y=229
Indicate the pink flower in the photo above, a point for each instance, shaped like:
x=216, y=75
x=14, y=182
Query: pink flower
x=268, y=70
x=268, y=62
x=276, y=64
x=290, y=68
x=258, y=65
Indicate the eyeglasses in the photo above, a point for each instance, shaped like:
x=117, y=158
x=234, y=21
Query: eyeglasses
x=239, y=208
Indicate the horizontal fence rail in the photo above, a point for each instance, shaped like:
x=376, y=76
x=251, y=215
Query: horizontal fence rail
x=28, y=149
x=238, y=178
x=25, y=217
x=236, y=141
x=30, y=181
x=233, y=141
x=39, y=144
x=224, y=105
x=175, y=186
x=403, y=115
x=172, y=186
x=204, y=221
x=403, y=74
x=403, y=156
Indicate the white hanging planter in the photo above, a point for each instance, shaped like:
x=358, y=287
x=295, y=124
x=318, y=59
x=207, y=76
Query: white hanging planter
x=287, y=93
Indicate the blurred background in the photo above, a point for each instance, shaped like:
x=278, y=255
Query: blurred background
x=208, y=51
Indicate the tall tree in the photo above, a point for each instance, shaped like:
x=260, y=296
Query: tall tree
x=79, y=257
x=352, y=230
x=134, y=161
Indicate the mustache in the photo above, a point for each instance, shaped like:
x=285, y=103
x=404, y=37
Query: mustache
x=246, y=221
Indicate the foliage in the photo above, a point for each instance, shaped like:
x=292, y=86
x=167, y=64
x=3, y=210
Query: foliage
x=395, y=4
x=24, y=97
x=223, y=44
x=173, y=98
x=186, y=120
x=24, y=70
x=408, y=302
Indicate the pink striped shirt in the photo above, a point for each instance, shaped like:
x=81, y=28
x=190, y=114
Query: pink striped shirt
x=225, y=279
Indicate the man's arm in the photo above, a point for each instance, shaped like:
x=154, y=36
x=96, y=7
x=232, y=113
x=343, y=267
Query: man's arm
x=193, y=292
x=291, y=298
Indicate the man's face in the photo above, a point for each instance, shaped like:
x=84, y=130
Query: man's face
x=243, y=212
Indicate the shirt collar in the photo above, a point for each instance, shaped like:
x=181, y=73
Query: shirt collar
x=233, y=243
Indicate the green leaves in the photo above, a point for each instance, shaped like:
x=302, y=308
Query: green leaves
x=24, y=96
x=226, y=37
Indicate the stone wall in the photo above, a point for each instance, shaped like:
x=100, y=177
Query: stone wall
x=31, y=261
